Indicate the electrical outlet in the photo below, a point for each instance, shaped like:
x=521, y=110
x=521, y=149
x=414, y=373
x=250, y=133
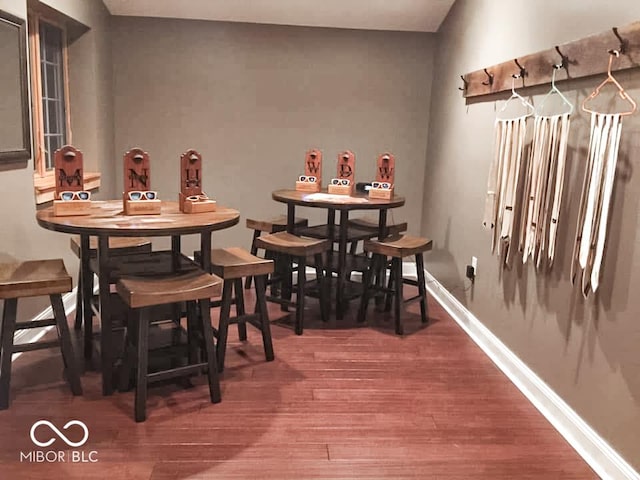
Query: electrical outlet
x=474, y=265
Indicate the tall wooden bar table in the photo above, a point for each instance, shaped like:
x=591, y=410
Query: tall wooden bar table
x=106, y=220
x=344, y=204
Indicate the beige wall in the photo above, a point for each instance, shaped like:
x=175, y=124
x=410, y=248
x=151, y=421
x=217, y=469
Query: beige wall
x=586, y=350
x=90, y=80
x=253, y=98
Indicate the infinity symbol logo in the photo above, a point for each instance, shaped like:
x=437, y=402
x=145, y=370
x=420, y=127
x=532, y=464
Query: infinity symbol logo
x=59, y=433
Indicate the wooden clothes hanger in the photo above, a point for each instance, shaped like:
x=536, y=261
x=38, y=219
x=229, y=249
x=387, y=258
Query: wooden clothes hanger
x=516, y=95
x=555, y=90
x=610, y=79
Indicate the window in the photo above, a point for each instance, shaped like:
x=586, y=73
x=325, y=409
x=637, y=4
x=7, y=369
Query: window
x=50, y=91
x=54, y=128
x=50, y=97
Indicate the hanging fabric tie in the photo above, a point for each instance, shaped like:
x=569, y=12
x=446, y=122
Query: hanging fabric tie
x=544, y=182
x=597, y=188
x=502, y=202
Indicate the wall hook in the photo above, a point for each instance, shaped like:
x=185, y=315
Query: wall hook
x=523, y=71
x=464, y=84
x=565, y=60
x=489, y=80
x=624, y=44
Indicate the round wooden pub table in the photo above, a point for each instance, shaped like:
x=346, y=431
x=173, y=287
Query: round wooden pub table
x=344, y=204
x=107, y=219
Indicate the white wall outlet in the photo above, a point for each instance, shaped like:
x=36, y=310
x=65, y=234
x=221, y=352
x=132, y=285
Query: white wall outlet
x=474, y=264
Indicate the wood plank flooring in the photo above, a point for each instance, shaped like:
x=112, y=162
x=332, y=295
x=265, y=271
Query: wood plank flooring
x=341, y=401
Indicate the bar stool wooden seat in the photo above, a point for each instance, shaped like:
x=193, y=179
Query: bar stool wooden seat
x=232, y=265
x=292, y=248
x=140, y=294
x=31, y=279
x=273, y=225
x=117, y=246
x=397, y=248
x=371, y=224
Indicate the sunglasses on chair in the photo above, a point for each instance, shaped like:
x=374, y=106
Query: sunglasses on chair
x=80, y=195
x=137, y=195
x=340, y=181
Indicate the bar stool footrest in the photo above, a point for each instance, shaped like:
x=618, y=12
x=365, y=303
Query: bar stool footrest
x=194, y=369
x=30, y=347
x=48, y=322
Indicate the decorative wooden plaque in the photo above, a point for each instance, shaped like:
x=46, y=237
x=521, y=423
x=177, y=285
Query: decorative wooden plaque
x=137, y=178
x=191, y=197
x=346, y=171
x=68, y=164
x=312, y=168
x=385, y=174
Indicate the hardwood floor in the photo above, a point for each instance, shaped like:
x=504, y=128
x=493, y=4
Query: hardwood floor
x=341, y=401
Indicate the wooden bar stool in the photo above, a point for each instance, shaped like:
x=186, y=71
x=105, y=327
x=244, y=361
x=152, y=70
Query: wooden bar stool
x=397, y=248
x=117, y=246
x=140, y=294
x=232, y=265
x=297, y=249
x=273, y=225
x=31, y=279
x=371, y=225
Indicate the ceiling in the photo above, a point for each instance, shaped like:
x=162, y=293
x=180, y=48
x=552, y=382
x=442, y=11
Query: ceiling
x=400, y=15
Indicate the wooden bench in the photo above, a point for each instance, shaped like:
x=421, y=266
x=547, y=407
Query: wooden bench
x=31, y=279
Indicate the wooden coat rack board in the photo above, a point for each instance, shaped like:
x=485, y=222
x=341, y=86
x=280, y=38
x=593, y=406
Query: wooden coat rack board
x=580, y=58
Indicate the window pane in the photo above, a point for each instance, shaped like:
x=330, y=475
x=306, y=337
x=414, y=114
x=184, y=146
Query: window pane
x=50, y=42
x=53, y=102
x=49, y=82
x=52, y=115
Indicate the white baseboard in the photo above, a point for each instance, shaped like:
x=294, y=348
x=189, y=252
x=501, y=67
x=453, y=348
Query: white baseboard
x=603, y=459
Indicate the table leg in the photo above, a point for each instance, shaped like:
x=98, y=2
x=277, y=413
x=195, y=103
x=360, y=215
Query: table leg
x=106, y=320
x=291, y=217
x=381, y=277
x=86, y=287
x=205, y=250
x=331, y=235
x=176, y=248
x=342, y=260
x=382, y=224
